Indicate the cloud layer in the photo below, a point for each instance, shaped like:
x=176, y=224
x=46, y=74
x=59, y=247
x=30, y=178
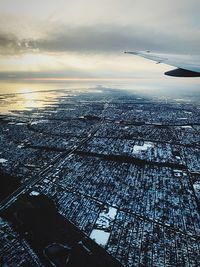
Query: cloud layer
x=103, y=39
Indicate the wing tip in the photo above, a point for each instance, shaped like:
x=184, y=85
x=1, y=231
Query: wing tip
x=131, y=52
x=137, y=52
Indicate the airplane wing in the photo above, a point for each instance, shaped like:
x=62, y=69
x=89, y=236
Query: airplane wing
x=186, y=66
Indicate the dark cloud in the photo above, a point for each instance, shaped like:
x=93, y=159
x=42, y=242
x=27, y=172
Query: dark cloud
x=11, y=44
x=105, y=39
x=109, y=38
x=8, y=43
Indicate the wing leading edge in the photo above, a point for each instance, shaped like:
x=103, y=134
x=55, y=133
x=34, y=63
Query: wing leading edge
x=186, y=66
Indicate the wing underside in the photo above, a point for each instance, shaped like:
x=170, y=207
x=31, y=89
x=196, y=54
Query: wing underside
x=182, y=73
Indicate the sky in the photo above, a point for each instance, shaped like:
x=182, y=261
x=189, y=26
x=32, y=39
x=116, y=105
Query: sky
x=87, y=38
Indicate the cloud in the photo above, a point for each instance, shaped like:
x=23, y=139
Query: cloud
x=26, y=75
x=11, y=44
x=8, y=43
x=104, y=39
x=116, y=38
x=107, y=26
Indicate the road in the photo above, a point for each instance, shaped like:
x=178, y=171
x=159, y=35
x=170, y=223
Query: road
x=47, y=171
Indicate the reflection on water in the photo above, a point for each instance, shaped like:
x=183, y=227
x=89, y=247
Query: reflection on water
x=22, y=96
x=24, y=101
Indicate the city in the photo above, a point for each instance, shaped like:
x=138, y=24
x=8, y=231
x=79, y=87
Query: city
x=120, y=167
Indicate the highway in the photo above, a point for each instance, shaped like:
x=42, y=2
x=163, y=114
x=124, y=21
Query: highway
x=47, y=171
